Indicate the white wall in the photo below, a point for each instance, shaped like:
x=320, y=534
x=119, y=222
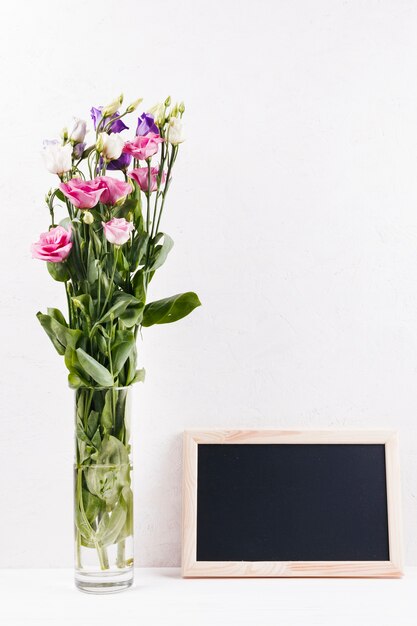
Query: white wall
x=294, y=212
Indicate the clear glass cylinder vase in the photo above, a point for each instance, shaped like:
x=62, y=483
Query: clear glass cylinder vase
x=103, y=497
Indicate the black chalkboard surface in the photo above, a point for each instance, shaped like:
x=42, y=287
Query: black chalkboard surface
x=291, y=503
x=279, y=502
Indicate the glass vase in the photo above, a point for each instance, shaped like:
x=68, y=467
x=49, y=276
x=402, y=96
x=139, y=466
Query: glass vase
x=103, y=498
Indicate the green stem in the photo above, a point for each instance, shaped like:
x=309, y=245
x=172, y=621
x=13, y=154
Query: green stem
x=51, y=211
x=99, y=286
x=148, y=197
x=168, y=180
x=102, y=556
x=69, y=304
x=110, y=289
x=78, y=563
x=121, y=556
x=158, y=192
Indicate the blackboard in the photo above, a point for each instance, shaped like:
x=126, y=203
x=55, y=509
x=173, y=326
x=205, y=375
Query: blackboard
x=281, y=502
x=296, y=503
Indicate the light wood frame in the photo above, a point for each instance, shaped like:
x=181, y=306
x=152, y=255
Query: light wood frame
x=379, y=569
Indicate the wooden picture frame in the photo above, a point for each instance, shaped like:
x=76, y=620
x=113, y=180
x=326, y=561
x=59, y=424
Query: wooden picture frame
x=191, y=567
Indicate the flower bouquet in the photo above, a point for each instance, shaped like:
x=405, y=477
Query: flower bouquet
x=106, y=251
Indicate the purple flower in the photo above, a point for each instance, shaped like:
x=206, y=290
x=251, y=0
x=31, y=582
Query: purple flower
x=78, y=150
x=146, y=124
x=116, y=127
x=122, y=163
x=96, y=115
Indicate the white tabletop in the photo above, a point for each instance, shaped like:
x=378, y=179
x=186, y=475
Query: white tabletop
x=160, y=597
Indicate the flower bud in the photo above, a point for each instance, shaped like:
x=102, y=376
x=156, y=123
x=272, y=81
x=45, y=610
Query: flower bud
x=88, y=218
x=78, y=150
x=158, y=112
x=134, y=105
x=79, y=131
x=175, y=133
x=117, y=230
x=111, y=108
x=100, y=143
x=168, y=101
x=64, y=134
x=181, y=107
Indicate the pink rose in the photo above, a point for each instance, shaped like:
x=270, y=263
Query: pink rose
x=117, y=230
x=143, y=147
x=113, y=189
x=140, y=175
x=84, y=194
x=53, y=246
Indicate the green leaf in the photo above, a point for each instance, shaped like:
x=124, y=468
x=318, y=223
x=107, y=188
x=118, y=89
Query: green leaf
x=123, y=346
x=131, y=367
x=139, y=376
x=119, y=304
x=58, y=271
x=103, y=331
x=83, y=525
x=111, y=472
x=122, y=264
x=102, y=344
x=113, y=452
x=94, y=369
x=92, y=264
x=80, y=432
x=96, y=239
x=132, y=315
x=110, y=526
x=75, y=381
x=58, y=316
x=137, y=250
x=92, y=423
x=170, y=309
x=76, y=376
x=60, y=335
x=96, y=439
x=60, y=195
x=139, y=285
x=127, y=529
x=107, y=412
x=92, y=505
x=160, y=252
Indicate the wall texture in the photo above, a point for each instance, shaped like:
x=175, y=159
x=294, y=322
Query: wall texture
x=294, y=212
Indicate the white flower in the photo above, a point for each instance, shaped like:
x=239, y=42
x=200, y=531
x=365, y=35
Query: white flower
x=79, y=130
x=175, y=133
x=57, y=157
x=110, y=146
